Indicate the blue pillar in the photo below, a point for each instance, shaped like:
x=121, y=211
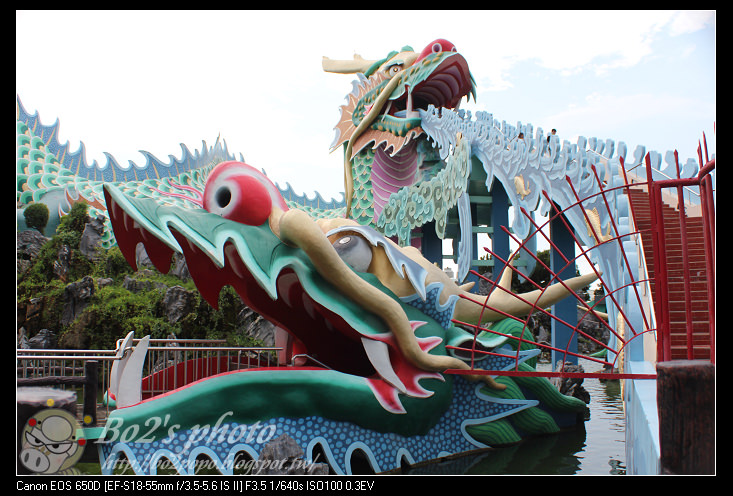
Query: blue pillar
x=562, y=335
x=432, y=245
x=474, y=252
x=499, y=217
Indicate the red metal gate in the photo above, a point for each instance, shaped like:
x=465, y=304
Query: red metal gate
x=684, y=265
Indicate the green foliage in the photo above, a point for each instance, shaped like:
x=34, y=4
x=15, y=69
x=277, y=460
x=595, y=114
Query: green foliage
x=76, y=218
x=114, y=312
x=72, y=225
x=113, y=264
x=36, y=216
x=39, y=274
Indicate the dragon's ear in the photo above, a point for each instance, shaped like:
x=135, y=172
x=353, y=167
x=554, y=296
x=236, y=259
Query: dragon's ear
x=358, y=64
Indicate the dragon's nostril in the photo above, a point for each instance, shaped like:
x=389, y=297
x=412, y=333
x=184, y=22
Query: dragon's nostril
x=239, y=192
x=223, y=196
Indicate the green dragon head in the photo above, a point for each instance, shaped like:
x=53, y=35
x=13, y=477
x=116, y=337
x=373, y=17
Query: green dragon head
x=350, y=297
x=383, y=111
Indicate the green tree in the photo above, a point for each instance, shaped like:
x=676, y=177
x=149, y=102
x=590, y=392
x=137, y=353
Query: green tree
x=36, y=216
x=72, y=225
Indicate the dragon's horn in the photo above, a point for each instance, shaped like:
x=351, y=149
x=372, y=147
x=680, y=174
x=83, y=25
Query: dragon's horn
x=474, y=308
x=358, y=64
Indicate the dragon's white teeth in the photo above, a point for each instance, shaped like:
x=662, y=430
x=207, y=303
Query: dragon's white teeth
x=378, y=354
x=410, y=113
x=309, y=306
x=128, y=221
x=284, y=282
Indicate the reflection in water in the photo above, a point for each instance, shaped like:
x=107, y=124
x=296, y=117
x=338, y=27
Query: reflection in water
x=595, y=448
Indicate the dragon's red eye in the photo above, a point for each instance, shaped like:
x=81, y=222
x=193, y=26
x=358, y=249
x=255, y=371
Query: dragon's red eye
x=241, y=193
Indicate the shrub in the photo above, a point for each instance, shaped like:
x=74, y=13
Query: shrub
x=75, y=220
x=36, y=216
x=114, y=264
x=115, y=311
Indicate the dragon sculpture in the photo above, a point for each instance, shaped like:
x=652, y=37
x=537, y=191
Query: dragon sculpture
x=375, y=320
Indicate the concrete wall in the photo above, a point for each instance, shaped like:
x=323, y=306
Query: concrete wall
x=642, y=421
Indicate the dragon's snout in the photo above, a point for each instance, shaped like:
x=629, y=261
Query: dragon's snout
x=439, y=45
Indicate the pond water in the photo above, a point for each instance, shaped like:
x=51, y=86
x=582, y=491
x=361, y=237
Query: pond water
x=597, y=448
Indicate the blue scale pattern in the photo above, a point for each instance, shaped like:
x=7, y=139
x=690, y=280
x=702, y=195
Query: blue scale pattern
x=431, y=306
x=338, y=439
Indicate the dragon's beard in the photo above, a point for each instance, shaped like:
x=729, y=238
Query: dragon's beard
x=389, y=141
x=386, y=141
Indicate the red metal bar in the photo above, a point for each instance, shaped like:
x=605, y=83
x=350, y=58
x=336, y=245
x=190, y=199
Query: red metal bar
x=542, y=310
x=709, y=238
x=661, y=302
x=707, y=204
x=661, y=275
x=546, y=346
x=655, y=258
x=561, y=374
x=606, y=289
x=623, y=252
x=685, y=261
x=584, y=253
x=620, y=338
x=567, y=261
x=664, y=351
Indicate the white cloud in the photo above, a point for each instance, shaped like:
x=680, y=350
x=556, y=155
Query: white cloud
x=690, y=21
x=660, y=121
x=131, y=80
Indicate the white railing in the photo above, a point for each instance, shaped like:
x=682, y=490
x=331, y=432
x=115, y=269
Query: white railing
x=88, y=372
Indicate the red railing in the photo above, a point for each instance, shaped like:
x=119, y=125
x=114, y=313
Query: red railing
x=668, y=315
x=611, y=361
x=661, y=303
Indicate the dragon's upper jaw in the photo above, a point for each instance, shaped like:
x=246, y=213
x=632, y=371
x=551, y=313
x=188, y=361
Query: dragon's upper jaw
x=277, y=281
x=443, y=87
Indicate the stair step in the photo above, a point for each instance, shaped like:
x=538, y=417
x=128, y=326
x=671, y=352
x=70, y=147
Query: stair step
x=676, y=271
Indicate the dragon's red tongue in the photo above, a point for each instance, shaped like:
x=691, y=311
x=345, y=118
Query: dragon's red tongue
x=401, y=371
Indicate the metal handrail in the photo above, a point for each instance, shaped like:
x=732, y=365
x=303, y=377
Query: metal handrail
x=238, y=356
x=687, y=188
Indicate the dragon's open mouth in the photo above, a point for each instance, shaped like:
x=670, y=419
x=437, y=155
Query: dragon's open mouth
x=444, y=87
x=277, y=281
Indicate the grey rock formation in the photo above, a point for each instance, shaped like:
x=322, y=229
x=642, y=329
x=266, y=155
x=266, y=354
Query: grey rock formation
x=91, y=238
x=77, y=295
x=283, y=456
x=178, y=302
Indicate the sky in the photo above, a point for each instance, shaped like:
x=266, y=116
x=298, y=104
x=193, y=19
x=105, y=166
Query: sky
x=124, y=81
